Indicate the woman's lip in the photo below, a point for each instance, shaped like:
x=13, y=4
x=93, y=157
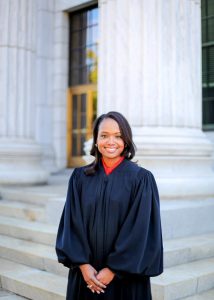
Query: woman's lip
x=110, y=149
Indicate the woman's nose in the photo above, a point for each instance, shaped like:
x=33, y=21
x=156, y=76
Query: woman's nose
x=111, y=140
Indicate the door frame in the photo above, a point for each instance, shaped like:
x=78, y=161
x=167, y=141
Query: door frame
x=87, y=89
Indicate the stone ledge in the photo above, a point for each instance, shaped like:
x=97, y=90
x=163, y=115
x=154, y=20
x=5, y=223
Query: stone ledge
x=184, y=250
x=31, y=231
x=20, y=210
x=38, y=195
x=31, y=283
x=184, y=280
x=5, y=295
x=178, y=251
x=203, y=296
x=184, y=215
x=34, y=255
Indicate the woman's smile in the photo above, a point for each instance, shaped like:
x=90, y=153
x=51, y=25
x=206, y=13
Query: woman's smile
x=110, y=149
x=109, y=142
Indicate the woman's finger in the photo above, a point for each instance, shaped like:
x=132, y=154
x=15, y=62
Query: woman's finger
x=92, y=285
x=98, y=283
x=91, y=288
x=95, y=289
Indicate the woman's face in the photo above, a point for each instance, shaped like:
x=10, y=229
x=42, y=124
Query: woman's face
x=109, y=141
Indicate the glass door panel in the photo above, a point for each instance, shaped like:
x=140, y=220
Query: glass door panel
x=82, y=102
x=82, y=91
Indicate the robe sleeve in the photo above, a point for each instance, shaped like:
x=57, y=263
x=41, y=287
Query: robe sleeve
x=72, y=248
x=138, y=248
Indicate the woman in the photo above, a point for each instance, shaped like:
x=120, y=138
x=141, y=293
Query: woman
x=110, y=231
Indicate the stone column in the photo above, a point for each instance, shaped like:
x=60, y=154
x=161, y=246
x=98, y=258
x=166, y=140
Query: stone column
x=20, y=156
x=44, y=81
x=150, y=70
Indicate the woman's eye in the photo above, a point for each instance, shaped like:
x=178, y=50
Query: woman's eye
x=118, y=137
x=103, y=136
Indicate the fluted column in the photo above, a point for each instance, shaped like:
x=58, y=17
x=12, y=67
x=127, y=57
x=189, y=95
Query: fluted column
x=150, y=70
x=19, y=154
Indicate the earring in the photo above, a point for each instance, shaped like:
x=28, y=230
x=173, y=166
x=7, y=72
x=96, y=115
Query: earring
x=96, y=145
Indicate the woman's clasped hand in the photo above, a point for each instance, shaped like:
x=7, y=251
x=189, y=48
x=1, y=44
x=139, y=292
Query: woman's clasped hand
x=96, y=281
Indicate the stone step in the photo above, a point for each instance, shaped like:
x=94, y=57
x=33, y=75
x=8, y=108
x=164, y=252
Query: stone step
x=11, y=296
x=184, y=280
x=42, y=257
x=184, y=250
x=5, y=295
x=20, y=210
x=31, y=231
x=203, y=296
x=31, y=283
x=182, y=215
x=191, y=279
x=38, y=195
x=180, y=218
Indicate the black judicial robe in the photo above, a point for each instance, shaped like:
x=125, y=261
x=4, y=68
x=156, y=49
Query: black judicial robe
x=112, y=221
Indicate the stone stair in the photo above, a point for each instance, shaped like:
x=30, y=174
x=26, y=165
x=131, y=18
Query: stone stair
x=32, y=254
x=188, y=249
x=5, y=295
x=28, y=263
x=28, y=266
x=31, y=282
x=25, y=211
x=203, y=296
x=184, y=280
x=32, y=231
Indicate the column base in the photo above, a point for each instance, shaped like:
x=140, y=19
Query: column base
x=20, y=163
x=180, y=177
x=179, y=158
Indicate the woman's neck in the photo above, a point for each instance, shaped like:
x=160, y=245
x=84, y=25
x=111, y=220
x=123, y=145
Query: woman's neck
x=110, y=162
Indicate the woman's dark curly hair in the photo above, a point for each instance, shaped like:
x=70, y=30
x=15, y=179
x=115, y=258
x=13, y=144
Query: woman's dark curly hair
x=126, y=134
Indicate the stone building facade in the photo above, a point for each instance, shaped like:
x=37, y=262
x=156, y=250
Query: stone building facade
x=149, y=69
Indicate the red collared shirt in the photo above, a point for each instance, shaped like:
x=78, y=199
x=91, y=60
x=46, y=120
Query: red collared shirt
x=107, y=169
